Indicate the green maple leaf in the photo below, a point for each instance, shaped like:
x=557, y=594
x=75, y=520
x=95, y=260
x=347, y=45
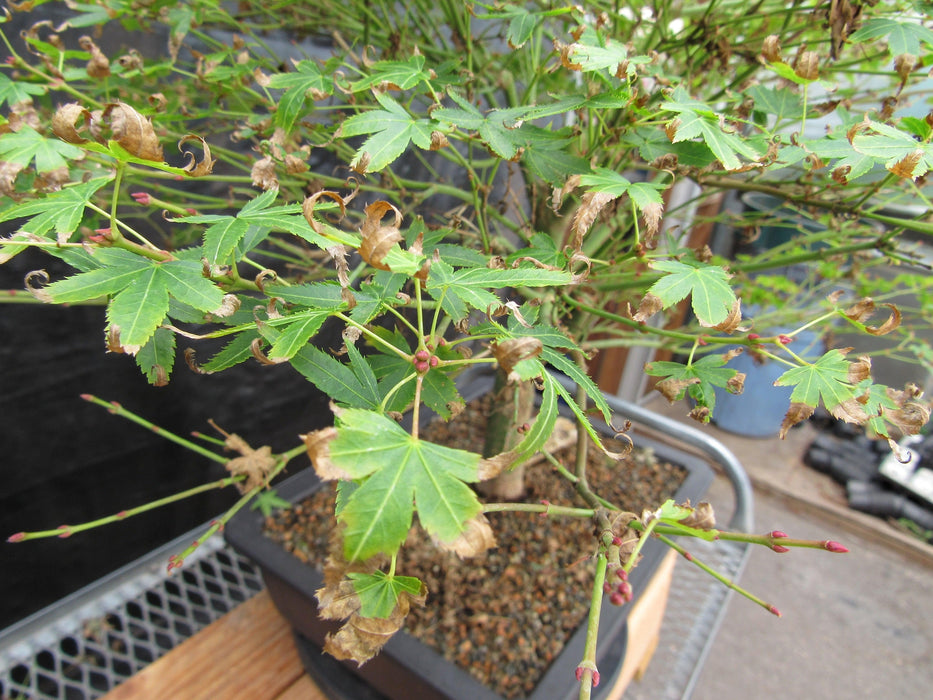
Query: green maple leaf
x=642, y=194
x=28, y=145
x=61, y=212
x=308, y=77
x=336, y=379
x=302, y=326
x=708, y=286
x=546, y=155
x=379, y=592
x=141, y=289
x=892, y=146
x=698, y=120
x=268, y=501
x=827, y=379
x=903, y=36
x=398, y=474
x=608, y=55
x=403, y=75
x=499, y=129
x=706, y=373
x=249, y=226
x=157, y=357
x=391, y=130
x=838, y=149
x=780, y=103
x=466, y=288
x=13, y=91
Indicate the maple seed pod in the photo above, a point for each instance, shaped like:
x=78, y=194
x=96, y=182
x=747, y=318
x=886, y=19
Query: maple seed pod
x=831, y=546
x=779, y=548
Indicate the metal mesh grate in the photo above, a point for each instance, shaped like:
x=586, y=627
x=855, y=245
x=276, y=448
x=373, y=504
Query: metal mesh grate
x=90, y=642
x=696, y=606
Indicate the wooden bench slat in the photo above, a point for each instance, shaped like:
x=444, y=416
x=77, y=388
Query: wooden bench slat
x=248, y=653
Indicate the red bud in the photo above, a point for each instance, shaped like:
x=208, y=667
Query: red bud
x=831, y=546
x=779, y=548
x=421, y=366
x=141, y=198
x=753, y=336
x=595, y=678
x=777, y=534
x=579, y=673
x=433, y=361
x=18, y=537
x=785, y=339
x=422, y=355
x=774, y=611
x=66, y=530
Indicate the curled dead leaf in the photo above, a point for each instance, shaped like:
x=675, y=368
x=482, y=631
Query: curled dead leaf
x=263, y=174
x=438, y=140
x=850, y=411
x=229, y=306
x=651, y=215
x=192, y=361
x=863, y=310
x=590, y=205
x=731, y=323
x=132, y=131
x=98, y=66
x=558, y=194
x=307, y=208
x=194, y=167
x=701, y=414
x=736, y=383
x=647, y=307
x=807, y=65
x=361, y=638
x=255, y=464
x=673, y=389
x=509, y=353
x=65, y=122
x=702, y=517
x=32, y=280
x=294, y=164
x=797, y=413
x=859, y=370
x=771, y=49
x=255, y=349
x=474, y=540
x=378, y=239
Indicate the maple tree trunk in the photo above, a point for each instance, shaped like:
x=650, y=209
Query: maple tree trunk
x=513, y=406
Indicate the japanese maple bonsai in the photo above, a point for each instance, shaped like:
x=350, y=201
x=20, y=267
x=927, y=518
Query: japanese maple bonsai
x=528, y=177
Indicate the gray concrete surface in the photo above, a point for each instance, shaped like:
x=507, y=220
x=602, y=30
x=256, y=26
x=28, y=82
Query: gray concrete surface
x=855, y=625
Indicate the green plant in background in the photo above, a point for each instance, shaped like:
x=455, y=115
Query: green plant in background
x=509, y=185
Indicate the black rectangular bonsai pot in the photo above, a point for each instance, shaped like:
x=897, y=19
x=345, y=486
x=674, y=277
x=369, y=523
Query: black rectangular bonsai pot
x=406, y=668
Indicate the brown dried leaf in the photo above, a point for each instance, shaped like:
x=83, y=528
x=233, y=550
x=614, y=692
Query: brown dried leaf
x=736, y=384
x=475, y=539
x=294, y=164
x=42, y=277
x=731, y=323
x=558, y=194
x=673, y=389
x=652, y=214
x=647, y=307
x=591, y=204
x=263, y=174
x=700, y=414
x=360, y=638
x=509, y=353
x=98, y=66
x=807, y=65
x=861, y=310
x=491, y=467
x=702, y=518
x=194, y=167
x=132, y=131
x=771, y=49
x=859, y=370
x=841, y=174
x=438, y=140
x=256, y=465
x=8, y=173
x=850, y=411
x=307, y=208
x=905, y=167
x=378, y=239
x=65, y=121
x=317, y=444
x=795, y=414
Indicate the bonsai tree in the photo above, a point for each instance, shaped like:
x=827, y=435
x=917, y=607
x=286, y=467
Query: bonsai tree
x=513, y=185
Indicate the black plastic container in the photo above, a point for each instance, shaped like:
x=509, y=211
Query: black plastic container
x=407, y=668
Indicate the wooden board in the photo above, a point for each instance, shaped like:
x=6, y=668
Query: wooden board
x=248, y=653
